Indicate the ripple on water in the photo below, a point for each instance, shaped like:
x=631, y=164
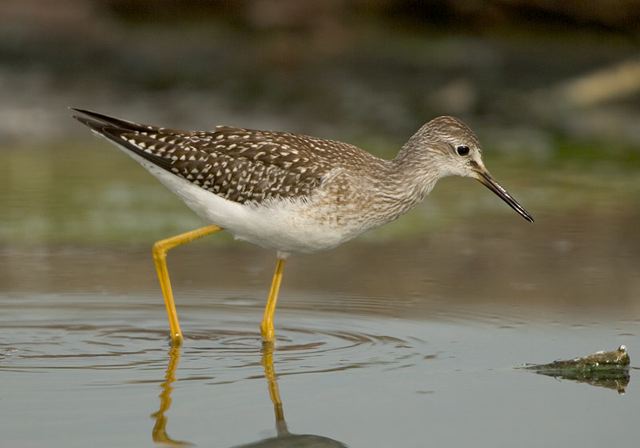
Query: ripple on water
x=319, y=344
x=221, y=346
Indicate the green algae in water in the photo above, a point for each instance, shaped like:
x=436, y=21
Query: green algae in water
x=602, y=369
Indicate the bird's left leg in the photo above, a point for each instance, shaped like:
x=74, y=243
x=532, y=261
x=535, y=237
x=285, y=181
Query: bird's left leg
x=266, y=327
x=160, y=249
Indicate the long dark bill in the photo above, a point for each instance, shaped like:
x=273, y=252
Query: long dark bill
x=494, y=186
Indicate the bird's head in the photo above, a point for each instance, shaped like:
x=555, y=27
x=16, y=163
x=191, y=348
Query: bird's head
x=450, y=146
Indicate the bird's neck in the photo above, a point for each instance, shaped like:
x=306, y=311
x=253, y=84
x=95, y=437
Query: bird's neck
x=404, y=183
x=418, y=170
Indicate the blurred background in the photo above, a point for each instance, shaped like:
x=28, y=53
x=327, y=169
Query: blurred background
x=552, y=89
x=398, y=338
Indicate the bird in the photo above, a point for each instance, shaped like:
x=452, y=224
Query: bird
x=289, y=192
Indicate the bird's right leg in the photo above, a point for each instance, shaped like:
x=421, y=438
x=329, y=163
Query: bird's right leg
x=160, y=249
x=266, y=327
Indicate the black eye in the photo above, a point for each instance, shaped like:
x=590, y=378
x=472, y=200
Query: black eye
x=462, y=150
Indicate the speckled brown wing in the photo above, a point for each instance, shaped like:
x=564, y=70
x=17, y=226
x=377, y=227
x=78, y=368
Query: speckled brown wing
x=237, y=164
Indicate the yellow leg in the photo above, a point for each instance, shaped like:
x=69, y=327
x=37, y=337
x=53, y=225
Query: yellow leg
x=160, y=249
x=266, y=328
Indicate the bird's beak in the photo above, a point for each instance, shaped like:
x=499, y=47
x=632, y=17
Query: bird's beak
x=485, y=178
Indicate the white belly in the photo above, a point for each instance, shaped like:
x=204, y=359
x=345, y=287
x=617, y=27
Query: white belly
x=288, y=226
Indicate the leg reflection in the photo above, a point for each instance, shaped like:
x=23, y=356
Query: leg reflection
x=159, y=433
x=274, y=392
x=284, y=439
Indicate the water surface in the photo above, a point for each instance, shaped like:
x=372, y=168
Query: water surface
x=407, y=337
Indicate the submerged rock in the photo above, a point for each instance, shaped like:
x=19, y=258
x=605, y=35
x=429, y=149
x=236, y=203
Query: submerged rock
x=602, y=369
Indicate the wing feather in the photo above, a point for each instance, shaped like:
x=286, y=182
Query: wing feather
x=240, y=165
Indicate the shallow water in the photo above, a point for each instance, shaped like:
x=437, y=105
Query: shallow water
x=408, y=337
x=97, y=367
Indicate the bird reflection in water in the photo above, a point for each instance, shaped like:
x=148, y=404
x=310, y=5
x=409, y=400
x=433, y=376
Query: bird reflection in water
x=283, y=438
x=159, y=433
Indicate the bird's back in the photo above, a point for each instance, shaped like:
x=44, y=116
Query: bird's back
x=240, y=165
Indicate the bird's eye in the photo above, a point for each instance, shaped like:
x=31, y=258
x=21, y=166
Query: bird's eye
x=462, y=150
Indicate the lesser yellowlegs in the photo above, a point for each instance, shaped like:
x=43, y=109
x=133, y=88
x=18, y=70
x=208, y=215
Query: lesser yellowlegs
x=288, y=192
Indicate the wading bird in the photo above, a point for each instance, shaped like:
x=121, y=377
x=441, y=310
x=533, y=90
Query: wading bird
x=288, y=192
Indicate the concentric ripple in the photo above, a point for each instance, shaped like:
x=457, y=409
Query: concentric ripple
x=221, y=346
